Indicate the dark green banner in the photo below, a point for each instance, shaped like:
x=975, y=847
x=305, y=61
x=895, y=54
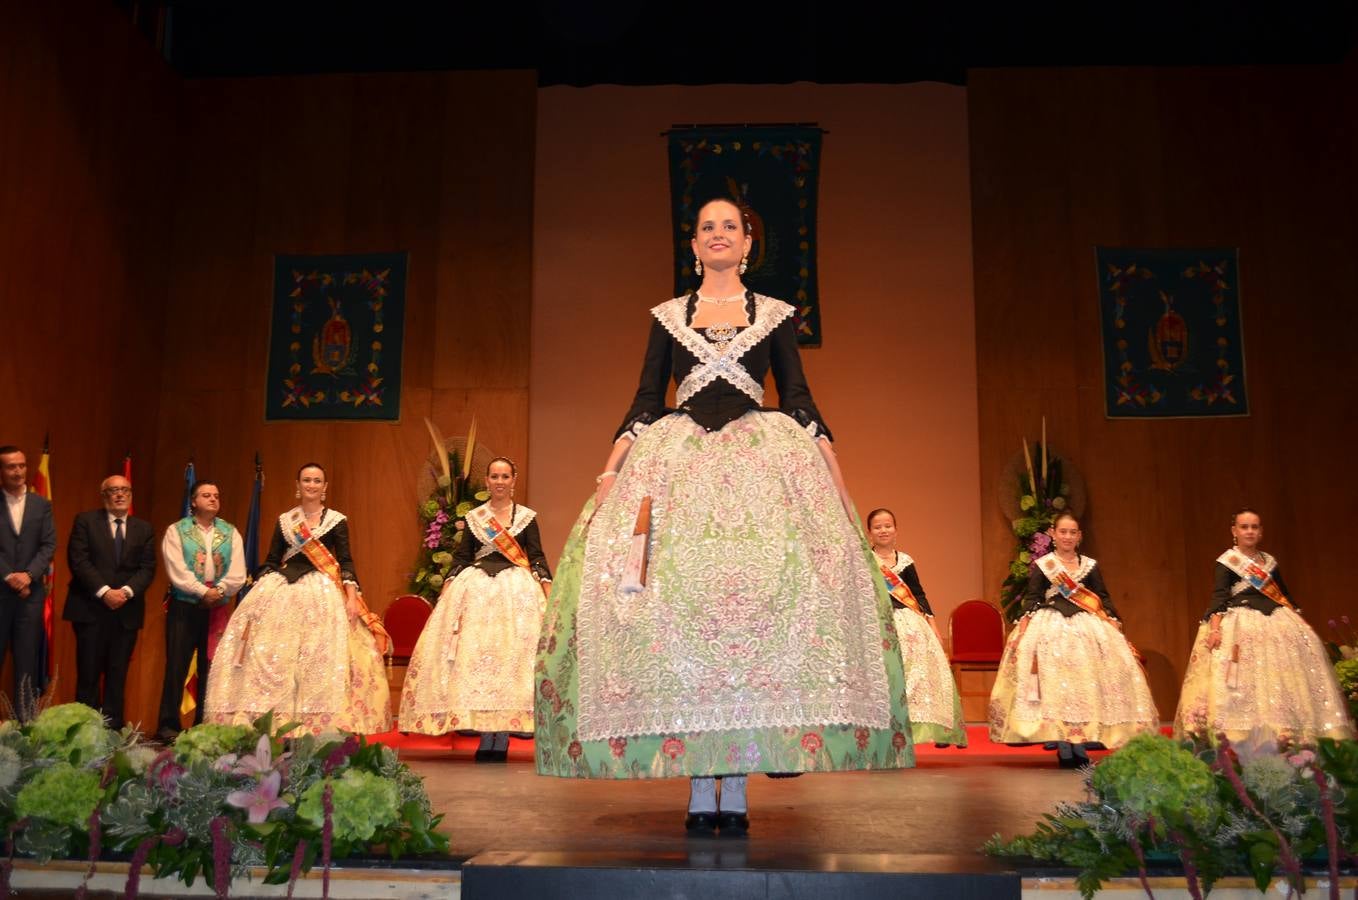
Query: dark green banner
x=335, y=340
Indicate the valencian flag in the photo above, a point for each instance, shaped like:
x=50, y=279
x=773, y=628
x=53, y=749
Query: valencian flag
x=42, y=486
x=188, y=702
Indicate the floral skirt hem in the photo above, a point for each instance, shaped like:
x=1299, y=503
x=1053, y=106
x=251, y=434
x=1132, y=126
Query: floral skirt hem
x=827, y=748
x=335, y=723
x=469, y=720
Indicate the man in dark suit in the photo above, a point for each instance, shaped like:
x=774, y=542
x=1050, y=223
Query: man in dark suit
x=113, y=559
x=27, y=541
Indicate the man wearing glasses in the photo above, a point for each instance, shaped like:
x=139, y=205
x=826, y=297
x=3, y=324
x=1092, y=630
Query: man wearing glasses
x=112, y=557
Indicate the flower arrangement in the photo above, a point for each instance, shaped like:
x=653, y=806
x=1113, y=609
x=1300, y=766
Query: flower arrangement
x=453, y=491
x=1031, y=497
x=1248, y=809
x=221, y=800
x=1343, y=650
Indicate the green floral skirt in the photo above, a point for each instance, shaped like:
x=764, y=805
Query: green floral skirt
x=763, y=640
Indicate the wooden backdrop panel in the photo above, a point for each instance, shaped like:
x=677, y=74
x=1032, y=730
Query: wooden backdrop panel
x=1064, y=160
x=86, y=175
x=348, y=164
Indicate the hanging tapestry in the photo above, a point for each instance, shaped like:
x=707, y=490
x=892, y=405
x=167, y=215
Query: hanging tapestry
x=772, y=171
x=335, y=337
x=1172, y=337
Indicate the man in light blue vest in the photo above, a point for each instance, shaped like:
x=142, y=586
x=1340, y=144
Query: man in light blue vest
x=206, y=564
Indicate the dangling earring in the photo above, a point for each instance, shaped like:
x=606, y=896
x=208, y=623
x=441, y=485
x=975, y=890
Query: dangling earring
x=697, y=267
x=1235, y=541
x=297, y=493
x=744, y=264
x=322, y=496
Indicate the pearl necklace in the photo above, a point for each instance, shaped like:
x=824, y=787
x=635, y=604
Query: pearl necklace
x=720, y=301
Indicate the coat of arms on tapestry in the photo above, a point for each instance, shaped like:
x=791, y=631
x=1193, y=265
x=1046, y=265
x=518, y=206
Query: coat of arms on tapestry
x=1172, y=335
x=335, y=337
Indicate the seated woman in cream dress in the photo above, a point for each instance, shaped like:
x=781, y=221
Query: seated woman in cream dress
x=935, y=707
x=1256, y=663
x=302, y=644
x=1068, y=677
x=472, y=669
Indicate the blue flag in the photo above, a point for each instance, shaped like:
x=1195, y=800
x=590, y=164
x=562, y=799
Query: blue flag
x=252, y=530
x=189, y=479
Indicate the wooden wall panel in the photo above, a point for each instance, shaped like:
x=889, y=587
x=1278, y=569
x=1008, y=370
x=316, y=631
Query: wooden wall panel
x=1064, y=160
x=439, y=165
x=86, y=174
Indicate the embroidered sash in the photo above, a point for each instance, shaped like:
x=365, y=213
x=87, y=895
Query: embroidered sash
x=898, y=588
x=300, y=536
x=1255, y=575
x=1076, y=592
x=490, y=530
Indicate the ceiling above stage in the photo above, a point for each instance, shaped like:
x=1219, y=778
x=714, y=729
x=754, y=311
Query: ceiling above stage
x=653, y=42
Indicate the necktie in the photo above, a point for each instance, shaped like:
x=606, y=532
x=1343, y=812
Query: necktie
x=118, y=541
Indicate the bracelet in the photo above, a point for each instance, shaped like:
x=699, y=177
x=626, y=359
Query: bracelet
x=603, y=475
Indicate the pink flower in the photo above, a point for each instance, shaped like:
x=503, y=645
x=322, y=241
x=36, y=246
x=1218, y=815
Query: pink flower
x=574, y=751
x=811, y=742
x=260, y=801
x=672, y=747
x=1302, y=760
x=256, y=763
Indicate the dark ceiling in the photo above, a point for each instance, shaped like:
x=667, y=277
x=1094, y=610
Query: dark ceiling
x=592, y=42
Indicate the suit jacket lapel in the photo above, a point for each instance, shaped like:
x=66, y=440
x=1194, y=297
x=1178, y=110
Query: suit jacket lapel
x=105, y=537
x=31, y=513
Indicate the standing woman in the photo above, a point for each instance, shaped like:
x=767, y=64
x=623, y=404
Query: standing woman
x=935, y=707
x=472, y=668
x=1068, y=676
x=1255, y=662
x=302, y=644
x=715, y=611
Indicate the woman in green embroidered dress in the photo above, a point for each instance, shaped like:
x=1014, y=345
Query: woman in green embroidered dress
x=759, y=637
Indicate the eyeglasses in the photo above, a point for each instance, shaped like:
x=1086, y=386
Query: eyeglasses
x=113, y=491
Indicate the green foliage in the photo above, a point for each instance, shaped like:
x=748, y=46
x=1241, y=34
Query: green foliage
x=1038, y=504
x=71, y=728
x=380, y=804
x=61, y=794
x=1152, y=777
x=208, y=741
x=443, y=517
x=363, y=803
x=1177, y=799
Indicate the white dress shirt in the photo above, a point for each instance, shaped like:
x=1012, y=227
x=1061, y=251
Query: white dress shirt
x=16, y=508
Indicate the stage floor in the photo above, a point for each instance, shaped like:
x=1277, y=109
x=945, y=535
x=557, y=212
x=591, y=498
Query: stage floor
x=942, y=806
